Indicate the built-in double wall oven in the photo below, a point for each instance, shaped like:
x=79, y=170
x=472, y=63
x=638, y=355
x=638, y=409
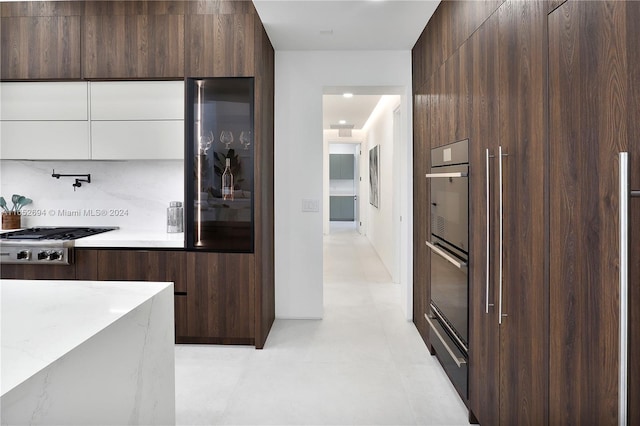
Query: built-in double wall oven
x=448, y=315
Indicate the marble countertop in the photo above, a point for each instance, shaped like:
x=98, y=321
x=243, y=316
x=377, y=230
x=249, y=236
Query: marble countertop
x=129, y=239
x=132, y=239
x=43, y=320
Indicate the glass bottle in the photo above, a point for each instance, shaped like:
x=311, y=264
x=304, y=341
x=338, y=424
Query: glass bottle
x=227, y=181
x=175, y=213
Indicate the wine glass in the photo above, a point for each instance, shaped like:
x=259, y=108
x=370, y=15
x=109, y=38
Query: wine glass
x=226, y=137
x=245, y=138
x=205, y=143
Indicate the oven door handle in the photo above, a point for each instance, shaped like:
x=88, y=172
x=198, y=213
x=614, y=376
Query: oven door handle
x=447, y=175
x=458, y=264
x=459, y=361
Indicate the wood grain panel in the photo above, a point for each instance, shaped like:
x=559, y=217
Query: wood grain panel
x=41, y=8
x=221, y=297
x=522, y=87
x=180, y=309
x=264, y=197
x=40, y=47
x=633, y=123
x=554, y=4
x=137, y=7
x=588, y=111
x=38, y=272
x=421, y=166
x=86, y=264
x=451, y=25
x=220, y=7
x=437, y=108
x=143, y=265
x=138, y=46
x=484, y=346
x=461, y=93
x=220, y=45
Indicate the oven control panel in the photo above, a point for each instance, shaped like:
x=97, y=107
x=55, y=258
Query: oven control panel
x=35, y=255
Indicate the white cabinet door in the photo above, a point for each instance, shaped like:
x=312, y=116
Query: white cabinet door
x=44, y=101
x=44, y=140
x=137, y=100
x=137, y=140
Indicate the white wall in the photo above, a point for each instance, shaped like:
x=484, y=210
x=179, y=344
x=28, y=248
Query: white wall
x=299, y=156
x=139, y=190
x=381, y=226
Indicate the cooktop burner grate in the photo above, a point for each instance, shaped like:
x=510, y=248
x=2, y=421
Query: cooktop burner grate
x=54, y=233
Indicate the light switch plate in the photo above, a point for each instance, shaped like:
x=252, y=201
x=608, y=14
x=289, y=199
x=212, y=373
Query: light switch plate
x=309, y=205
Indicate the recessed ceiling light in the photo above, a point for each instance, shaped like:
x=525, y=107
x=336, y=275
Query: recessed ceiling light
x=348, y=95
x=342, y=121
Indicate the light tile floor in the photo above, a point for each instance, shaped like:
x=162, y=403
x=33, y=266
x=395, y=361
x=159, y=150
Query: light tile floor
x=363, y=364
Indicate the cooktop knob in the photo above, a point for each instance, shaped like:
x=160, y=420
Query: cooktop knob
x=43, y=255
x=24, y=255
x=55, y=255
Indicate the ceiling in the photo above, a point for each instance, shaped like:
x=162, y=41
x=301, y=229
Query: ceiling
x=346, y=25
x=355, y=111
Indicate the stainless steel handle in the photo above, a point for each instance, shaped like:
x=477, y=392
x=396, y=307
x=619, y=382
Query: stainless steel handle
x=447, y=175
x=486, y=296
x=459, y=361
x=446, y=256
x=624, y=259
x=500, y=228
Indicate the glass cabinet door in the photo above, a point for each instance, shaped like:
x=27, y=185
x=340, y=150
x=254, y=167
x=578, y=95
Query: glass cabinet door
x=219, y=164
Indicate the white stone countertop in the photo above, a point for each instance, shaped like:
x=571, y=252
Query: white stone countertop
x=132, y=239
x=42, y=320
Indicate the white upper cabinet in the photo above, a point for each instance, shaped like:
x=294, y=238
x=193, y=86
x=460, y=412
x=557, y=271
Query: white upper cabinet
x=115, y=120
x=44, y=101
x=44, y=121
x=137, y=120
x=137, y=140
x=137, y=100
x=44, y=140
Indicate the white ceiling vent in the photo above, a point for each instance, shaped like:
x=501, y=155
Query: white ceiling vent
x=344, y=130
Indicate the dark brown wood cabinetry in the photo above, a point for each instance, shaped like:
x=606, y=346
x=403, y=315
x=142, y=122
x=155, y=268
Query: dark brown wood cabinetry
x=522, y=83
x=133, y=40
x=594, y=110
x=421, y=195
x=137, y=265
x=133, y=46
x=484, y=347
x=130, y=39
x=555, y=86
x=40, y=47
x=220, y=45
x=220, y=298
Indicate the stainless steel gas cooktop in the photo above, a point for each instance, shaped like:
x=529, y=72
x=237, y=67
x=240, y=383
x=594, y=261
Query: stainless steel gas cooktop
x=44, y=245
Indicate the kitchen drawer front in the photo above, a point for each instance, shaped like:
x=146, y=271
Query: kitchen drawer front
x=45, y=140
x=137, y=140
x=44, y=101
x=137, y=100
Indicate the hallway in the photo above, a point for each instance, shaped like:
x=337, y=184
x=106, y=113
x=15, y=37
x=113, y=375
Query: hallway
x=362, y=364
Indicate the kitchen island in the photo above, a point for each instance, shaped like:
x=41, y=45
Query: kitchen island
x=87, y=352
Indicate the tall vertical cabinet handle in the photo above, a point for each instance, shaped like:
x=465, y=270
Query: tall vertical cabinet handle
x=624, y=265
x=486, y=288
x=500, y=229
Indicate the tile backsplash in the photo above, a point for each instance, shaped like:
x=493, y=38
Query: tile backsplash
x=133, y=195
